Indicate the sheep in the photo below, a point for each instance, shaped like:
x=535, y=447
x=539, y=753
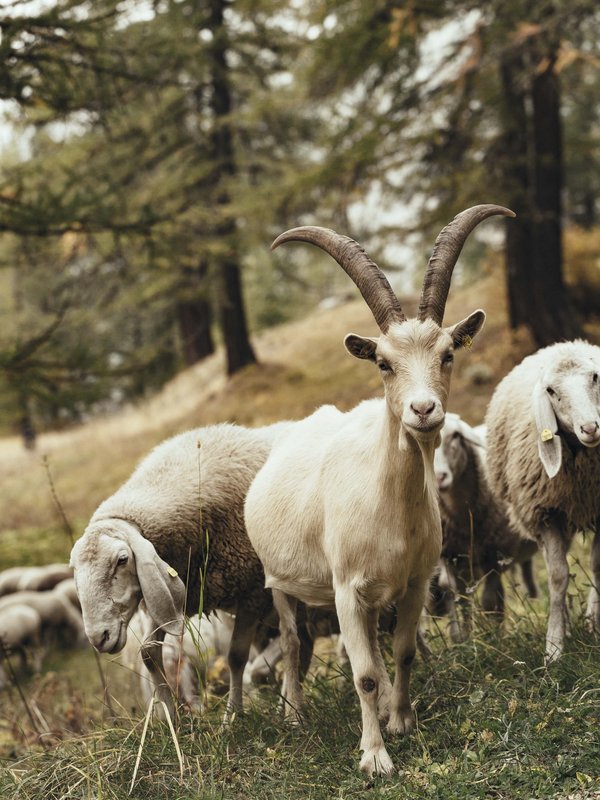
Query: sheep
x=20, y=633
x=543, y=462
x=68, y=590
x=345, y=511
x=15, y=579
x=478, y=541
x=179, y=517
x=60, y=620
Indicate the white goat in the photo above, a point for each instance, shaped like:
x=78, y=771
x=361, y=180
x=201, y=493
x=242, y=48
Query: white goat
x=543, y=461
x=345, y=509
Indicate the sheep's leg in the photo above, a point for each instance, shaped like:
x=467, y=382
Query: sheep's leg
x=409, y=609
x=293, y=699
x=593, y=605
x=529, y=578
x=354, y=626
x=555, y=554
x=244, y=630
x=492, y=598
x=152, y=656
x=262, y=668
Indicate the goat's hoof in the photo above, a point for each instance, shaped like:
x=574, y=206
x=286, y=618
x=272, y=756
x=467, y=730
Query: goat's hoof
x=401, y=722
x=592, y=624
x=376, y=762
x=552, y=656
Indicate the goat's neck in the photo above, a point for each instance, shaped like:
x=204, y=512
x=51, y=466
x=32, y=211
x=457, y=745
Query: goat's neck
x=403, y=458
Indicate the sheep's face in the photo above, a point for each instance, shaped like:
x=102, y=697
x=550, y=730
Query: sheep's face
x=573, y=390
x=415, y=359
x=108, y=589
x=450, y=460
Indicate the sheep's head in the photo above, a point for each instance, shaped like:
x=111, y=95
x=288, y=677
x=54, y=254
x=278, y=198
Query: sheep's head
x=115, y=568
x=414, y=356
x=566, y=399
x=452, y=456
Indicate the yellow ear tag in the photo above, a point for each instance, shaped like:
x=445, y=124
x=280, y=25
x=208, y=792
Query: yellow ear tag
x=467, y=341
x=172, y=572
x=546, y=435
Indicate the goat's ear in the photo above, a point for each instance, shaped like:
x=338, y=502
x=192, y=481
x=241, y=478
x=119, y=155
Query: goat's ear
x=162, y=589
x=467, y=329
x=361, y=346
x=549, y=443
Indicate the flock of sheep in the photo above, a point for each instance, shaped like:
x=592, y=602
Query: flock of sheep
x=355, y=512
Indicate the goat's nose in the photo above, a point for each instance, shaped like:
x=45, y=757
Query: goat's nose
x=589, y=428
x=99, y=641
x=423, y=408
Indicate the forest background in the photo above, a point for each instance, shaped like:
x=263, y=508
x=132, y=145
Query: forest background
x=152, y=150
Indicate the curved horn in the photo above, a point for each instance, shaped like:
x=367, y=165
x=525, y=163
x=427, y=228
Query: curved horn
x=445, y=254
x=365, y=273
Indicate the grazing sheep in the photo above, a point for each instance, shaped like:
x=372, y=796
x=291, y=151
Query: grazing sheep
x=68, y=590
x=16, y=579
x=60, y=620
x=20, y=633
x=345, y=510
x=543, y=461
x=179, y=518
x=478, y=541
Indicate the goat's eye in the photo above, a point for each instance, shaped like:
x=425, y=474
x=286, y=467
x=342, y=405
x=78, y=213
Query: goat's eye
x=595, y=377
x=447, y=358
x=123, y=559
x=550, y=391
x=384, y=366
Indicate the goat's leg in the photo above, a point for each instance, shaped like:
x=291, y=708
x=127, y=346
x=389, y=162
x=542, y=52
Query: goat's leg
x=592, y=613
x=151, y=652
x=555, y=554
x=409, y=609
x=385, y=685
x=244, y=630
x=291, y=692
x=354, y=626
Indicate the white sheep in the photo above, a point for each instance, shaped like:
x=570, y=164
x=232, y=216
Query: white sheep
x=543, y=461
x=42, y=578
x=20, y=634
x=345, y=510
x=61, y=621
x=478, y=541
x=178, y=518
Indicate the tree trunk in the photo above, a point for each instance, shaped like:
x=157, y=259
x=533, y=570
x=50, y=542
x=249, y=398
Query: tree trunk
x=231, y=306
x=194, y=316
x=553, y=318
x=517, y=176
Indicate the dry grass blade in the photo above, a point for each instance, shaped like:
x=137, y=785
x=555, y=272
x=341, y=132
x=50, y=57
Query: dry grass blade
x=174, y=737
x=141, y=747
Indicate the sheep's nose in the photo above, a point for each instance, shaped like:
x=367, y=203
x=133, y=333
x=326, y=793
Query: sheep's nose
x=442, y=478
x=99, y=641
x=590, y=428
x=423, y=408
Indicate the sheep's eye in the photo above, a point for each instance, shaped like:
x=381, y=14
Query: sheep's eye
x=550, y=391
x=384, y=366
x=123, y=559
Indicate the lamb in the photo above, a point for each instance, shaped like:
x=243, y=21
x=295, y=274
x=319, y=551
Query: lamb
x=60, y=620
x=478, y=542
x=543, y=462
x=179, y=517
x=345, y=510
x=20, y=633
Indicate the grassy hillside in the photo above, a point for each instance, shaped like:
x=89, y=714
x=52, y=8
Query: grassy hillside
x=492, y=721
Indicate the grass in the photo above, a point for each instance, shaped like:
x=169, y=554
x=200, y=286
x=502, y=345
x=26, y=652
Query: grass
x=492, y=723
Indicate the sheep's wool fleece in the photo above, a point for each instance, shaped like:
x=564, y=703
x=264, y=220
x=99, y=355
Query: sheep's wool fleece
x=515, y=470
x=187, y=498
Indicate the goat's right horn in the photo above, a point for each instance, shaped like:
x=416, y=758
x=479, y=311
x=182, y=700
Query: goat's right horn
x=365, y=273
x=446, y=251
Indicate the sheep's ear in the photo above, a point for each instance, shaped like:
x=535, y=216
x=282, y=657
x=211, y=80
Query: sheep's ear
x=549, y=443
x=467, y=329
x=162, y=589
x=361, y=346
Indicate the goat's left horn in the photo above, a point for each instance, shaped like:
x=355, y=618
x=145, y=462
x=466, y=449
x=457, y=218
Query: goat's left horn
x=446, y=251
x=365, y=273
